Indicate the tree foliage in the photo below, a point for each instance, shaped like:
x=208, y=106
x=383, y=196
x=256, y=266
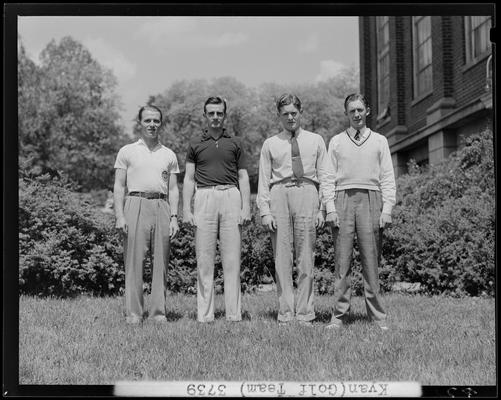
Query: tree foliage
x=68, y=114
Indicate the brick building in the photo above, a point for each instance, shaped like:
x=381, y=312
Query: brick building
x=428, y=80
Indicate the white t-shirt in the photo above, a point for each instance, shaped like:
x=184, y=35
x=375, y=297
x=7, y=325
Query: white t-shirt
x=147, y=170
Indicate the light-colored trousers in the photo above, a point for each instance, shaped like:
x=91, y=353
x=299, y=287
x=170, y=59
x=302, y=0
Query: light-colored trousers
x=294, y=209
x=359, y=211
x=148, y=223
x=217, y=212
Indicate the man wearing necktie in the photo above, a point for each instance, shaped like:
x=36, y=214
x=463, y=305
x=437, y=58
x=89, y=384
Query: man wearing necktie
x=293, y=166
x=365, y=195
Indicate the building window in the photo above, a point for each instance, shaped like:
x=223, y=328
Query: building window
x=383, y=65
x=477, y=37
x=421, y=43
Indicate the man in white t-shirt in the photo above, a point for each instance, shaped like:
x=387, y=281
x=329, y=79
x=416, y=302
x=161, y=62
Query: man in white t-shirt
x=147, y=216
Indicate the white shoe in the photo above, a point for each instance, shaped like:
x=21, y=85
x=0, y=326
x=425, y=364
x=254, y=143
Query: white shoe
x=382, y=325
x=334, y=325
x=133, y=320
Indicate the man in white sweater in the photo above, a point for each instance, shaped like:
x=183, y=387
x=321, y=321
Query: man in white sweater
x=365, y=195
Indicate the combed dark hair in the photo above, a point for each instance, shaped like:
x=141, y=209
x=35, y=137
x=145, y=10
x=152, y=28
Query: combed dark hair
x=149, y=107
x=287, y=99
x=354, y=97
x=215, y=100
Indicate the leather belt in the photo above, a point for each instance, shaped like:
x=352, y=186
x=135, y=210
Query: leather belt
x=149, y=195
x=288, y=182
x=217, y=187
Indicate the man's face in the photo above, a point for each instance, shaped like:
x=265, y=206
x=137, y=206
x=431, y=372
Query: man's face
x=290, y=117
x=357, y=114
x=215, y=116
x=150, y=124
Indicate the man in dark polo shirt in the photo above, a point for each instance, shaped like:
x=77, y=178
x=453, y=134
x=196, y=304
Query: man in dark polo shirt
x=216, y=172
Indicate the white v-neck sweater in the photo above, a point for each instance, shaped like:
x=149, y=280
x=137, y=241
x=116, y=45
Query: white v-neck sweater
x=364, y=165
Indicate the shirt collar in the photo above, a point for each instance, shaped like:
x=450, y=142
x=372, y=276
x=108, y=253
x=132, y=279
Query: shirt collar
x=206, y=136
x=364, y=131
x=288, y=135
x=141, y=141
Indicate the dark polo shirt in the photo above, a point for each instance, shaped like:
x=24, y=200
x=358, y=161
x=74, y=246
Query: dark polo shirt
x=216, y=161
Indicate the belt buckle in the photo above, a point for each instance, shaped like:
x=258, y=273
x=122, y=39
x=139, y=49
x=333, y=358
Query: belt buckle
x=293, y=182
x=222, y=187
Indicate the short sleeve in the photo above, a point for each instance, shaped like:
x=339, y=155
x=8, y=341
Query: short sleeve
x=190, y=154
x=121, y=161
x=241, y=155
x=174, y=165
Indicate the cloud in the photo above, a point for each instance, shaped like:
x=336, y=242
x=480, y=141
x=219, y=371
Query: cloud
x=227, y=40
x=186, y=33
x=329, y=69
x=157, y=30
x=309, y=45
x=111, y=58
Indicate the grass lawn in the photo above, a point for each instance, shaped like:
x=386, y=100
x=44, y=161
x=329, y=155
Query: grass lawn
x=433, y=340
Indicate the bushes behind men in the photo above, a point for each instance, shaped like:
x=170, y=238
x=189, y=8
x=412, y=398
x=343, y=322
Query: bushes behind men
x=442, y=237
x=443, y=234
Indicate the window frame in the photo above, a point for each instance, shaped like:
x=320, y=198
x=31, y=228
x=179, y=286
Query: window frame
x=417, y=70
x=470, y=43
x=383, y=56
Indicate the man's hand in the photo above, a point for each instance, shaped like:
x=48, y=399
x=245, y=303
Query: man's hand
x=320, y=220
x=173, y=227
x=188, y=217
x=245, y=216
x=384, y=220
x=121, y=225
x=269, y=222
x=332, y=219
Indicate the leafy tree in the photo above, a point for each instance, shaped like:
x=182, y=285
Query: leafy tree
x=68, y=114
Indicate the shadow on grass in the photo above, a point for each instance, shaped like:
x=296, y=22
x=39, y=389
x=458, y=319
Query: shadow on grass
x=321, y=316
x=173, y=316
x=352, y=317
x=269, y=314
x=218, y=314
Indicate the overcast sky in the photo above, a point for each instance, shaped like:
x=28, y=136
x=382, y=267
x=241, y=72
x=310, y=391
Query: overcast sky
x=148, y=54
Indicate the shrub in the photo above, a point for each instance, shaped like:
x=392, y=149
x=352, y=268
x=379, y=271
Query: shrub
x=66, y=245
x=443, y=230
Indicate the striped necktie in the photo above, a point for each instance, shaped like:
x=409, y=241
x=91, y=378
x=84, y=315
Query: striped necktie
x=357, y=136
x=297, y=165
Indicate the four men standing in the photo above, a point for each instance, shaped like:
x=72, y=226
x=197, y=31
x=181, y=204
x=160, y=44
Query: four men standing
x=350, y=187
